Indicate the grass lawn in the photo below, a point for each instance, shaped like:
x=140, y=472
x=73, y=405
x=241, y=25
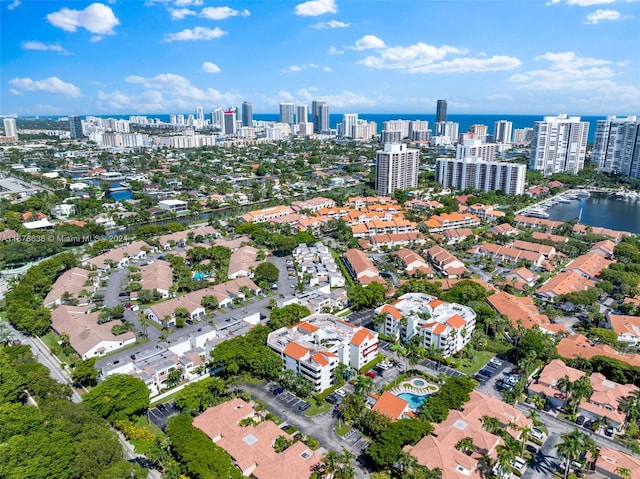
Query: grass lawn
x=316, y=409
x=342, y=428
x=51, y=340
x=472, y=366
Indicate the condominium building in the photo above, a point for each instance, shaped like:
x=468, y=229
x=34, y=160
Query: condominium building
x=229, y=122
x=10, y=129
x=365, y=130
x=473, y=146
x=559, y=144
x=441, y=111
x=476, y=173
x=522, y=136
x=315, y=346
x=617, y=146
x=247, y=114
x=349, y=121
x=479, y=131
x=286, y=113
x=302, y=114
x=444, y=326
x=396, y=168
x=502, y=131
x=319, y=115
x=397, y=125
x=419, y=130
x=447, y=129
x=75, y=126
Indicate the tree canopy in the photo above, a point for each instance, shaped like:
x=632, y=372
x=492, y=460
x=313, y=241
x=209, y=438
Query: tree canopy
x=120, y=396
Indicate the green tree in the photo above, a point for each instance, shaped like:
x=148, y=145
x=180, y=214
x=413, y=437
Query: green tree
x=85, y=373
x=571, y=447
x=266, y=271
x=119, y=396
x=287, y=315
x=197, y=396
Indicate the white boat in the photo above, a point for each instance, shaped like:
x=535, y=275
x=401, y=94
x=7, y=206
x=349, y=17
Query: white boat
x=583, y=194
x=570, y=196
x=562, y=199
x=536, y=212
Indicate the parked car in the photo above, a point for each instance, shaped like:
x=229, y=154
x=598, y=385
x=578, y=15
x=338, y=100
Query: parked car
x=486, y=372
x=278, y=391
x=304, y=406
x=341, y=393
x=588, y=424
x=532, y=449
x=537, y=434
x=371, y=374
x=494, y=363
x=608, y=431
x=580, y=420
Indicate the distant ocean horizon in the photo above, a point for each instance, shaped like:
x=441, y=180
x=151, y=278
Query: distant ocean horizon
x=464, y=120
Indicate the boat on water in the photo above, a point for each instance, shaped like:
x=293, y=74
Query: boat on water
x=562, y=199
x=536, y=212
x=570, y=196
x=583, y=194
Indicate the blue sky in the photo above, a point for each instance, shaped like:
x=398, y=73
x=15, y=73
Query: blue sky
x=170, y=56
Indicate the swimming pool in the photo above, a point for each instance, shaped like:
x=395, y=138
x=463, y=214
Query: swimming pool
x=419, y=383
x=414, y=400
x=198, y=275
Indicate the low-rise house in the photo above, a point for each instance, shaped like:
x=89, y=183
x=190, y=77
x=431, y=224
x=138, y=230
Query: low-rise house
x=313, y=205
x=606, y=399
x=233, y=244
x=88, y=338
x=519, y=310
x=457, y=235
x=173, y=206
x=315, y=346
x=157, y=276
x=603, y=248
x=611, y=463
x=507, y=254
x=588, y=265
x=266, y=214
x=121, y=257
x=547, y=251
x=521, y=277
x=615, y=235
x=414, y=263
x=542, y=236
x=392, y=406
x=361, y=268
x=68, y=286
x=251, y=446
x=393, y=240
x=446, y=221
x=546, y=385
x=9, y=235
x=316, y=262
x=578, y=345
x=531, y=222
x=563, y=283
x=243, y=262
x=626, y=327
x=63, y=211
x=505, y=229
x=444, y=326
x=485, y=212
x=447, y=264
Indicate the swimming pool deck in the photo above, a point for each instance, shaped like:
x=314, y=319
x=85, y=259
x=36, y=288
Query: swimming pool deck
x=409, y=387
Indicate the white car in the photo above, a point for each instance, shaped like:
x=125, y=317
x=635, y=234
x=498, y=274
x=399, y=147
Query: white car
x=519, y=463
x=537, y=434
x=341, y=393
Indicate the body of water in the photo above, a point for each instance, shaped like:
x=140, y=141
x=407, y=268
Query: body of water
x=602, y=210
x=414, y=400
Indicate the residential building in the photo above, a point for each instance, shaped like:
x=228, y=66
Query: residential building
x=174, y=206
x=557, y=239
x=505, y=229
x=315, y=346
x=121, y=257
x=603, y=248
x=545, y=250
x=522, y=136
x=519, y=310
x=247, y=114
x=588, y=265
x=563, y=283
x=251, y=447
x=441, y=111
x=520, y=278
x=507, y=254
x=626, y=327
x=414, y=263
x=320, y=116
x=472, y=145
x=502, y=131
x=243, y=262
x=361, y=268
x=396, y=168
x=349, y=122
x=71, y=282
x=287, y=111
x=615, y=235
x=559, y=144
x=157, y=276
x=313, y=205
x=10, y=129
x=229, y=122
x=365, y=130
x=461, y=174
x=606, y=399
x=442, y=326
x=302, y=114
x=75, y=126
x=611, y=462
x=445, y=132
x=457, y=235
x=88, y=338
x=317, y=262
x=546, y=385
x=479, y=131
x=447, y=264
x=266, y=214
x=617, y=146
x=578, y=345
x=392, y=406
x=447, y=221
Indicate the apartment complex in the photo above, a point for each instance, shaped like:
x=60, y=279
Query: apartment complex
x=314, y=347
x=396, y=168
x=559, y=144
x=617, y=146
x=444, y=326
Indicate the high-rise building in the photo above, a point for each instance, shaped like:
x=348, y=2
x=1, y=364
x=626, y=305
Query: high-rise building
x=75, y=127
x=471, y=146
x=522, y=136
x=418, y=126
x=10, y=129
x=396, y=168
x=479, y=131
x=302, y=114
x=502, y=131
x=349, y=121
x=397, y=125
x=229, y=122
x=286, y=113
x=617, y=146
x=448, y=129
x=365, y=130
x=247, y=114
x=199, y=117
x=441, y=111
x=559, y=144
x=390, y=136
x=320, y=115
x=461, y=174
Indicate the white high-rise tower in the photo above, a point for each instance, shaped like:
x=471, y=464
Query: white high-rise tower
x=559, y=145
x=396, y=168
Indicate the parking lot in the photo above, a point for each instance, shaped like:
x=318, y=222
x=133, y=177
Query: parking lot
x=294, y=403
x=161, y=413
x=491, y=384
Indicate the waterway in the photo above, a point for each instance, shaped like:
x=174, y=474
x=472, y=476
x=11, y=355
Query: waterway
x=602, y=210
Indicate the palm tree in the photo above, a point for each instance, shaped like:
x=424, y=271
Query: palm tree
x=623, y=472
x=571, y=447
x=465, y=445
x=524, y=437
x=363, y=385
x=535, y=417
x=631, y=407
x=491, y=424
x=582, y=389
x=506, y=456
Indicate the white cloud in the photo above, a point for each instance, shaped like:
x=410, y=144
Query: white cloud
x=314, y=8
x=96, y=18
x=209, y=67
x=96, y=38
x=13, y=5
x=299, y=68
x=50, y=85
x=331, y=24
x=596, y=17
x=220, y=13
x=466, y=65
x=13, y=91
x=499, y=97
x=347, y=98
x=410, y=57
x=334, y=51
x=582, y=3
x=197, y=33
x=186, y=3
x=44, y=47
x=180, y=13
x=569, y=60
x=368, y=42
x=327, y=69
x=180, y=90
x=146, y=101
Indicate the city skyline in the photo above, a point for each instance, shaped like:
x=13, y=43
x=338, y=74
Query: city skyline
x=166, y=56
